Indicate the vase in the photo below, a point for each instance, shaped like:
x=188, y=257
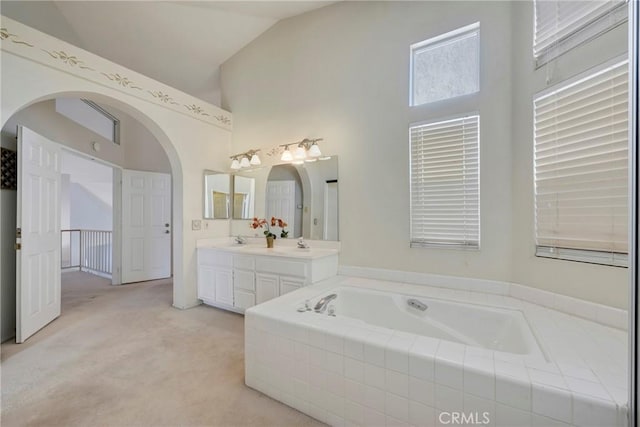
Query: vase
x=270, y=241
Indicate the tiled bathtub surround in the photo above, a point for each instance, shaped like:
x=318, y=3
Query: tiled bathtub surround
x=346, y=372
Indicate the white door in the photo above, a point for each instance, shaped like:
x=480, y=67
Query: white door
x=146, y=226
x=38, y=219
x=331, y=211
x=281, y=202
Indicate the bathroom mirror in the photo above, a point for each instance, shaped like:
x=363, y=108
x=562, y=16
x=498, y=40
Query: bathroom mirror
x=244, y=197
x=306, y=197
x=217, y=195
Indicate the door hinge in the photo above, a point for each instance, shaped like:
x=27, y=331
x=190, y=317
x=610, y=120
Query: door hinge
x=18, y=246
x=18, y=233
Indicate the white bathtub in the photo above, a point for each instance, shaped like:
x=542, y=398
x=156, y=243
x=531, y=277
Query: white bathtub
x=491, y=328
x=380, y=362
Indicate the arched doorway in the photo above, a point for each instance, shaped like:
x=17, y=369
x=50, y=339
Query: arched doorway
x=32, y=113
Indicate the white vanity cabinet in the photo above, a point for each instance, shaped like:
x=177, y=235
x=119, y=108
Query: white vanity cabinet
x=237, y=281
x=215, y=277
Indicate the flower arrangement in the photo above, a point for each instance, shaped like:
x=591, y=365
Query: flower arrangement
x=262, y=222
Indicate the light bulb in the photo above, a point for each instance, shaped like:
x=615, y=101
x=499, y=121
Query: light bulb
x=245, y=162
x=286, y=155
x=314, y=150
x=300, y=152
x=255, y=160
x=235, y=164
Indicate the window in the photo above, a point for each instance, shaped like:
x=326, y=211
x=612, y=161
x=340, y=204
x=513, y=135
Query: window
x=563, y=24
x=91, y=116
x=446, y=66
x=445, y=183
x=580, y=162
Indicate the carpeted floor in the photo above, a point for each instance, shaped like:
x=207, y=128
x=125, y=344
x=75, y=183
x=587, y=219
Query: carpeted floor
x=122, y=356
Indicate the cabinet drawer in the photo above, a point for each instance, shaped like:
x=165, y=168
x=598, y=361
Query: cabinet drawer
x=244, y=280
x=215, y=258
x=244, y=262
x=284, y=267
x=244, y=300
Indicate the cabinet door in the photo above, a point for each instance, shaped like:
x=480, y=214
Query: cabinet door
x=224, y=286
x=288, y=284
x=266, y=287
x=206, y=283
x=244, y=299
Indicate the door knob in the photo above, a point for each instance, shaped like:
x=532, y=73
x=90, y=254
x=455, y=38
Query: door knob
x=167, y=224
x=166, y=232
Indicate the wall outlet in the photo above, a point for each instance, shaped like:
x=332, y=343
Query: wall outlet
x=196, y=224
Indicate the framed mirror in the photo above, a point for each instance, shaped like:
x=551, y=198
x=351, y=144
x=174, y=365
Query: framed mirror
x=217, y=195
x=244, y=197
x=304, y=195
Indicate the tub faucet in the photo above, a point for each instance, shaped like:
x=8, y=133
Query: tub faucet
x=321, y=306
x=240, y=240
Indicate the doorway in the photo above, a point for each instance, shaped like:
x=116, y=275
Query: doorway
x=99, y=217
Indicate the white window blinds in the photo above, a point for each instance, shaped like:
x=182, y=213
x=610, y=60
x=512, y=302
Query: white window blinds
x=581, y=144
x=563, y=24
x=445, y=183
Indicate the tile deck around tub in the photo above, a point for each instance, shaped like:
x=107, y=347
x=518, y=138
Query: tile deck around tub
x=346, y=372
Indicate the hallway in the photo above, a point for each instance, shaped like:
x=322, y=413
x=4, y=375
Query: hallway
x=123, y=356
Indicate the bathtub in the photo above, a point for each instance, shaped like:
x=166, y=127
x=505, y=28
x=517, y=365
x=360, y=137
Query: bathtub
x=490, y=328
x=467, y=357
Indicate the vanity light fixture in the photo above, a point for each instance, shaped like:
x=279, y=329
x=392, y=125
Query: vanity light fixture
x=255, y=160
x=247, y=159
x=286, y=155
x=306, y=150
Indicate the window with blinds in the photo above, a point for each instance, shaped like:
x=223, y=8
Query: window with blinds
x=445, y=183
x=580, y=161
x=561, y=25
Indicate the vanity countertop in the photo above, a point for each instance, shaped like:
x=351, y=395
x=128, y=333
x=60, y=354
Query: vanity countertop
x=258, y=247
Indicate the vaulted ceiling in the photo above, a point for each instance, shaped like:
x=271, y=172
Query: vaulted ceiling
x=180, y=43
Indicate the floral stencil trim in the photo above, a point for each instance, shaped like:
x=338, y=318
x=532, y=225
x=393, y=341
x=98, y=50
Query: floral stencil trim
x=161, y=96
x=68, y=59
x=6, y=35
x=196, y=109
x=223, y=119
x=121, y=80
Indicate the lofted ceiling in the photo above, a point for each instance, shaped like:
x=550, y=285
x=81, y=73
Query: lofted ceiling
x=180, y=43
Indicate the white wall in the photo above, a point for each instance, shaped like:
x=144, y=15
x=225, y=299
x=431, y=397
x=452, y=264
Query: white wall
x=342, y=73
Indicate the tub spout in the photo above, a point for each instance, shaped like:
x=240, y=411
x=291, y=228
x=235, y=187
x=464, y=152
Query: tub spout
x=321, y=306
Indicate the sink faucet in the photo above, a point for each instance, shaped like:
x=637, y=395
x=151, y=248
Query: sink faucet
x=321, y=306
x=240, y=240
x=302, y=244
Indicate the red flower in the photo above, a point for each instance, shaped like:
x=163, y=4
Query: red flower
x=273, y=221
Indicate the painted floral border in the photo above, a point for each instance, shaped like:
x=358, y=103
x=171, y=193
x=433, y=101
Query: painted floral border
x=122, y=81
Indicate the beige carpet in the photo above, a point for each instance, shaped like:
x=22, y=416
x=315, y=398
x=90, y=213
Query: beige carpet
x=123, y=356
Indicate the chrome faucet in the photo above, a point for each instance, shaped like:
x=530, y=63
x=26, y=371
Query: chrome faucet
x=302, y=244
x=240, y=240
x=321, y=306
